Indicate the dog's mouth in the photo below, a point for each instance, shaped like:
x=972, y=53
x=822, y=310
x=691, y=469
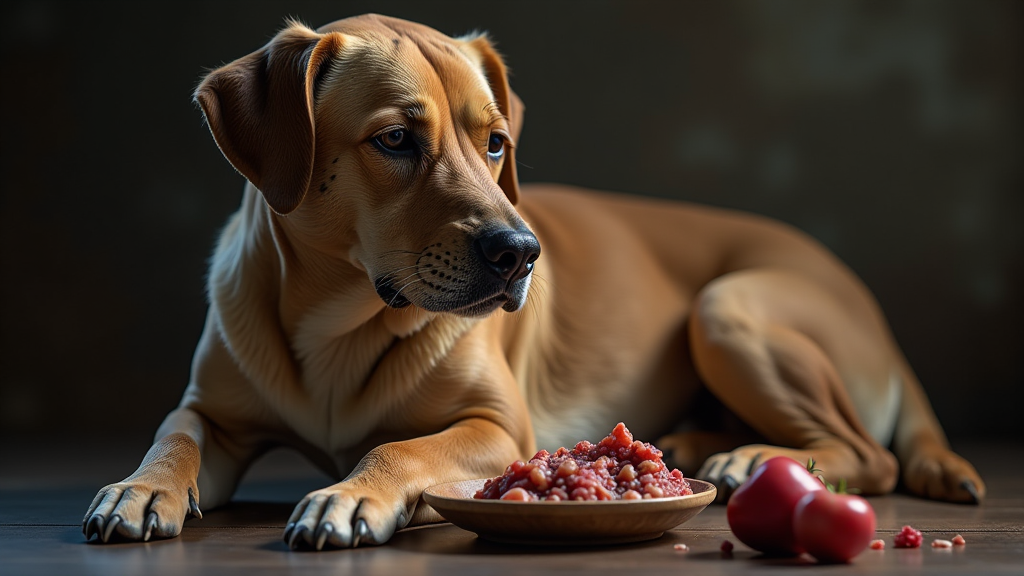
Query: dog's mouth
x=484, y=307
x=468, y=303
x=510, y=299
x=391, y=295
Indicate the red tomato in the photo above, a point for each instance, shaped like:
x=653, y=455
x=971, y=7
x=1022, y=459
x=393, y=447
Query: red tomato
x=760, y=512
x=833, y=527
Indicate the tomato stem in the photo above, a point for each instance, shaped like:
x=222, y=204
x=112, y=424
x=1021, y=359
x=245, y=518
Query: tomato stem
x=841, y=488
x=812, y=467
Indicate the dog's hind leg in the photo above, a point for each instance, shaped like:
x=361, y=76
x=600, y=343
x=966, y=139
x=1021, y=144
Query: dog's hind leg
x=766, y=343
x=156, y=499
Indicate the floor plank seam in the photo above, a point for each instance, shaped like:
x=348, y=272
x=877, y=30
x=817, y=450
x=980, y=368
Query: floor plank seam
x=34, y=525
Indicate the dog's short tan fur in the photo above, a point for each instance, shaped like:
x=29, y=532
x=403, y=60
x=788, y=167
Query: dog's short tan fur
x=353, y=315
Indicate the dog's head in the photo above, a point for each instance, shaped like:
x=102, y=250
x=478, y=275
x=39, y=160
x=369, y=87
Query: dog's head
x=390, y=146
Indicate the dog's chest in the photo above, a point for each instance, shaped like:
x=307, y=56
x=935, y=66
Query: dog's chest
x=335, y=370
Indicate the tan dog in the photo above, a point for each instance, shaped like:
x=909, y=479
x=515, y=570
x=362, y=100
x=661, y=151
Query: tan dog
x=354, y=308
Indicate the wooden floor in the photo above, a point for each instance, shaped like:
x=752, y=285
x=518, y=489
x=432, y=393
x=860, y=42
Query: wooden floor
x=45, y=489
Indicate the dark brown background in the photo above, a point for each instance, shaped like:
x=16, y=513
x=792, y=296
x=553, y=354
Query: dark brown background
x=891, y=131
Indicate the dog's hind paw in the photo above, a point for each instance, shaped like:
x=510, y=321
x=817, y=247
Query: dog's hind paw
x=943, y=475
x=343, y=517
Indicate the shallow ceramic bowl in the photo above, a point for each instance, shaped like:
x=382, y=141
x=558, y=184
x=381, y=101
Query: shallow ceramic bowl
x=565, y=523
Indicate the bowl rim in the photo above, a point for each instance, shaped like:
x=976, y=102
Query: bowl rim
x=707, y=491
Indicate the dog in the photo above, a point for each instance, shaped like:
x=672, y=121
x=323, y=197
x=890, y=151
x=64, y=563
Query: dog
x=381, y=303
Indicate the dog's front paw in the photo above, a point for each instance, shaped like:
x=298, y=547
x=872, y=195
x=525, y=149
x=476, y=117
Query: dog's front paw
x=728, y=470
x=140, y=510
x=344, y=516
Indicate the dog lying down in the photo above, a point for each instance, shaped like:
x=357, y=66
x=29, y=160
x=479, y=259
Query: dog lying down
x=391, y=303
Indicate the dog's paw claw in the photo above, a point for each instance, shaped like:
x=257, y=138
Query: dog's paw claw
x=324, y=533
x=297, y=536
x=754, y=462
x=151, y=521
x=111, y=525
x=193, y=505
x=93, y=526
x=361, y=533
x=729, y=485
x=971, y=489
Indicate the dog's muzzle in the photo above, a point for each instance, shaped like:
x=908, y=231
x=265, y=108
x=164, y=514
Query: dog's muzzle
x=472, y=277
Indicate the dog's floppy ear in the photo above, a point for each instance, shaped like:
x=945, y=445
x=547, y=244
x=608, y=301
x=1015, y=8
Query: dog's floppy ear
x=511, y=106
x=260, y=111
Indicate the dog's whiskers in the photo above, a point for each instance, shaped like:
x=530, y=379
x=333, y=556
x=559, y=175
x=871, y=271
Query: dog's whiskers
x=403, y=269
x=539, y=284
x=406, y=278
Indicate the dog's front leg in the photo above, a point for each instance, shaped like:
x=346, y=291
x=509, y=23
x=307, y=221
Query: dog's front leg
x=382, y=494
x=156, y=499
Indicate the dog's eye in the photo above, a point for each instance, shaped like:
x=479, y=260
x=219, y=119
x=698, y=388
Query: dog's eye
x=495, y=146
x=395, y=140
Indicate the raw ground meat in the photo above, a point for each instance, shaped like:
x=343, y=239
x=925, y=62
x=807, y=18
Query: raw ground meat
x=907, y=538
x=616, y=468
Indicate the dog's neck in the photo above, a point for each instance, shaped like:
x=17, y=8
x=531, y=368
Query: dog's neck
x=274, y=295
x=317, y=293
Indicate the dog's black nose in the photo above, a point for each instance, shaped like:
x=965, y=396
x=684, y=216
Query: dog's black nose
x=509, y=253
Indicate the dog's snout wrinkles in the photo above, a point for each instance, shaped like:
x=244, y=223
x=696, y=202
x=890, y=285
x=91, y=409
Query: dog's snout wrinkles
x=509, y=253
